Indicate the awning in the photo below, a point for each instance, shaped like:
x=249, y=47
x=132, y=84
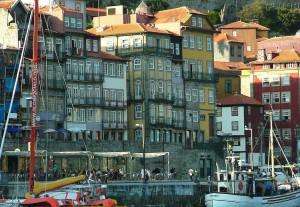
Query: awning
x=111, y=154
x=71, y=153
x=24, y=153
x=149, y=155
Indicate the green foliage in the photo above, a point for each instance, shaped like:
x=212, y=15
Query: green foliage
x=157, y=5
x=281, y=21
x=214, y=17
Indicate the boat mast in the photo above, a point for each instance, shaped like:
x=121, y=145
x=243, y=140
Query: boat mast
x=34, y=90
x=272, y=145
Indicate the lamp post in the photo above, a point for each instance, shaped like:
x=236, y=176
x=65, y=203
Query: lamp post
x=251, y=145
x=143, y=145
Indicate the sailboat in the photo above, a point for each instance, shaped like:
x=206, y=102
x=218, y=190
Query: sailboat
x=247, y=188
x=55, y=193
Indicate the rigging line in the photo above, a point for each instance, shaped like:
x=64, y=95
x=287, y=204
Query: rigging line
x=261, y=134
x=69, y=95
x=15, y=85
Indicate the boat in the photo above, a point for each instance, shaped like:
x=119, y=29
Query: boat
x=242, y=187
x=54, y=193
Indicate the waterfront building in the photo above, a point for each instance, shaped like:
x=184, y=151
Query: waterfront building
x=276, y=85
x=198, y=71
x=239, y=122
x=250, y=33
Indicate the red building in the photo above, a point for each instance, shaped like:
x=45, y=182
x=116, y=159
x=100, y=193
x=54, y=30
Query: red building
x=276, y=85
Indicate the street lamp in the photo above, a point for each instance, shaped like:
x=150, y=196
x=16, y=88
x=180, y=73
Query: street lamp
x=143, y=144
x=251, y=145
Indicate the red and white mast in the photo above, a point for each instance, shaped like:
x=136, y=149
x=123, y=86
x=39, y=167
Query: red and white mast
x=34, y=91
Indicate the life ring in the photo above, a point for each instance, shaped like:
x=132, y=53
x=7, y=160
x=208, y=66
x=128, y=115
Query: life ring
x=240, y=186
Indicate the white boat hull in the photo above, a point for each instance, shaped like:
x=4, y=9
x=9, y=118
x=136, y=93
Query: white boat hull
x=291, y=199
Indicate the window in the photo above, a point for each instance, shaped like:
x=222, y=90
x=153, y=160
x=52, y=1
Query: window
x=265, y=82
x=82, y=115
x=152, y=88
x=276, y=81
x=138, y=89
x=286, y=133
x=88, y=44
x=137, y=42
x=231, y=50
x=209, y=67
x=234, y=33
x=286, y=114
x=138, y=111
x=219, y=126
x=192, y=41
x=137, y=64
x=161, y=110
x=209, y=46
x=177, y=49
x=194, y=95
x=266, y=98
x=194, y=22
x=276, y=97
x=249, y=48
x=168, y=65
x=120, y=71
x=234, y=125
x=66, y=21
x=200, y=22
x=79, y=23
x=172, y=48
x=73, y=22
x=160, y=65
x=195, y=116
x=185, y=41
x=125, y=43
x=201, y=95
x=166, y=44
x=234, y=111
x=285, y=97
x=199, y=42
x=188, y=95
x=188, y=116
x=138, y=135
x=105, y=68
x=111, y=69
x=151, y=63
x=285, y=80
x=219, y=112
x=110, y=45
x=150, y=41
x=228, y=86
x=276, y=115
x=211, y=96
x=95, y=46
x=160, y=87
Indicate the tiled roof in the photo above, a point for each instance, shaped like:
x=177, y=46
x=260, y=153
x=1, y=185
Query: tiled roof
x=276, y=44
x=95, y=11
x=238, y=100
x=181, y=14
x=123, y=29
x=244, y=25
x=290, y=55
x=230, y=65
x=107, y=56
x=225, y=37
x=6, y=4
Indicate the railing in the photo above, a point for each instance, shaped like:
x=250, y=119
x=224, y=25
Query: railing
x=89, y=101
x=55, y=84
x=178, y=123
x=198, y=76
x=160, y=121
x=87, y=77
x=179, y=102
x=114, y=125
x=161, y=97
x=109, y=103
x=143, y=49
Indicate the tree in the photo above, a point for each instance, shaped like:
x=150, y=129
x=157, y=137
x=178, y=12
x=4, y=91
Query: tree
x=214, y=17
x=157, y=5
x=290, y=20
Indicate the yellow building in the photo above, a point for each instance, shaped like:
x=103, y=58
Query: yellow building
x=198, y=72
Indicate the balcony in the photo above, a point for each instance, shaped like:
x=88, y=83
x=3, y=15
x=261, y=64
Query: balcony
x=145, y=49
x=161, y=98
x=86, y=101
x=179, y=124
x=114, y=125
x=199, y=77
x=114, y=104
x=55, y=84
x=88, y=77
x=179, y=102
x=160, y=121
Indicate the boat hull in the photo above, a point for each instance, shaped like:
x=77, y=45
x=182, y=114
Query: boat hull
x=291, y=199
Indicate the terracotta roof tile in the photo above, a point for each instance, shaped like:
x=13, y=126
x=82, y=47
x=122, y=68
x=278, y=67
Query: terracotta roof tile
x=122, y=29
x=244, y=25
x=107, y=56
x=289, y=55
x=230, y=65
x=226, y=37
x=280, y=43
x=6, y=4
x=95, y=11
x=181, y=14
x=238, y=100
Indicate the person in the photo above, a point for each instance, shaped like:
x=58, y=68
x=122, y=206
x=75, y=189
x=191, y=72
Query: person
x=191, y=174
